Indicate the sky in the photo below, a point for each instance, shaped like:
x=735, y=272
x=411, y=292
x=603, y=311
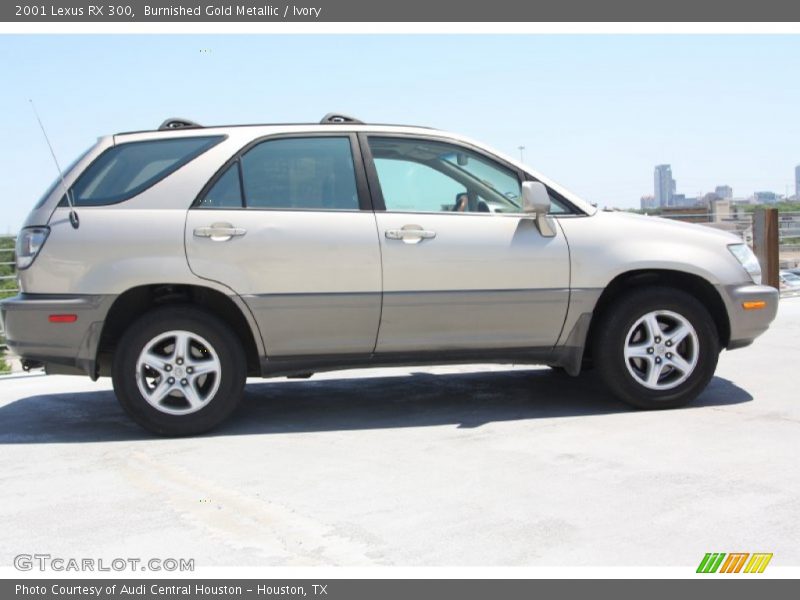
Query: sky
x=595, y=113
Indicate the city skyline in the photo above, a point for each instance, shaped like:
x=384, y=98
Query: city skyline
x=665, y=193
x=591, y=111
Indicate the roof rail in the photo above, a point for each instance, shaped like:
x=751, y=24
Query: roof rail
x=178, y=123
x=333, y=118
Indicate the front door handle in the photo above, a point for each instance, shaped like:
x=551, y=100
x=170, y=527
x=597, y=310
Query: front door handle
x=219, y=232
x=410, y=234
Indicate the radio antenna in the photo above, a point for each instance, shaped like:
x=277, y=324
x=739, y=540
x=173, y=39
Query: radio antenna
x=73, y=216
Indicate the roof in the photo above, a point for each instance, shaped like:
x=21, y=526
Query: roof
x=179, y=123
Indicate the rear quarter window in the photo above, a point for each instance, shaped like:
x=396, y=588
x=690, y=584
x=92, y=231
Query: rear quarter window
x=126, y=170
x=57, y=180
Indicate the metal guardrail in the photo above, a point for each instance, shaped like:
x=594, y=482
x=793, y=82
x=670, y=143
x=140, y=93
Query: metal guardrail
x=8, y=272
x=742, y=224
x=8, y=258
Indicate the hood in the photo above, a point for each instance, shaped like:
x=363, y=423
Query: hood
x=662, y=226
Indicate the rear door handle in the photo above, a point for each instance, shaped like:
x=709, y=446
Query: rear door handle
x=219, y=232
x=410, y=234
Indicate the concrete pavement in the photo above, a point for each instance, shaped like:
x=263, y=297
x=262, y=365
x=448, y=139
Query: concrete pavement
x=471, y=465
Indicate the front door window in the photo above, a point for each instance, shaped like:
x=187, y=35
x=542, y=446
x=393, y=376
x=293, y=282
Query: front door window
x=431, y=176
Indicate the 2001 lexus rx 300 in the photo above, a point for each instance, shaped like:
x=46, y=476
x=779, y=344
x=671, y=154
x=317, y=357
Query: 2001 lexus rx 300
x=182, y=260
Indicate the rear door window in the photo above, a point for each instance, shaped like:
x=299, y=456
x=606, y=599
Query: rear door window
x=303, y=173
x=300, y=174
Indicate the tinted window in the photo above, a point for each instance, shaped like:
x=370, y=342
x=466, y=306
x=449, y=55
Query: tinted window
x=227, y=191
x=495, y=176
x=300, y=173
x=419, y=175
x=414, y=187
x=126, y=170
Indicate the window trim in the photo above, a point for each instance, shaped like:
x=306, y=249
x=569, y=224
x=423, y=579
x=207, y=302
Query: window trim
x=375, y=187
x=219, y=174
x=213, y=141
x=362, y=189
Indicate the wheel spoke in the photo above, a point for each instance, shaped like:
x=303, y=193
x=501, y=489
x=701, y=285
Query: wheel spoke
x=183, y=346
x=154, y=361
x=678, y=362
x=204, y=367
x=654, y=373
x=653, y=327
x=637, y=351
x=161, y=391
x=679, y=334
x=191, y=395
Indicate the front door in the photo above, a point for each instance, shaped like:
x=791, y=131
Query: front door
x=284, y=226
x=462, y=268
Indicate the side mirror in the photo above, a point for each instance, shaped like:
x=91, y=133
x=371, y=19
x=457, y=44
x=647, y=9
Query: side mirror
x=535, y=198
x=536, y=202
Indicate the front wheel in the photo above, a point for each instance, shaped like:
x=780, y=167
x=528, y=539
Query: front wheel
x=179, y=371
x=656, y=348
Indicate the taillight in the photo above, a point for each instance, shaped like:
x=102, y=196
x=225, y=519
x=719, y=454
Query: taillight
x=29, y=242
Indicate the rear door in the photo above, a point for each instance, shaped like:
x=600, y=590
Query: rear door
x=462, y=268
x=287, y=224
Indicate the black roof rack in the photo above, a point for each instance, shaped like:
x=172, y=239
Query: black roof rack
x=178, y=123
x=333, y=118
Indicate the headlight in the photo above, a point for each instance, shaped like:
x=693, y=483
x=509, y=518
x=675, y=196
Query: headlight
x=29, y=241
x=748, y=260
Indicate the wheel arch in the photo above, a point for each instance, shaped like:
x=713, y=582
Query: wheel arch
x=135, y=302
x=699, y=287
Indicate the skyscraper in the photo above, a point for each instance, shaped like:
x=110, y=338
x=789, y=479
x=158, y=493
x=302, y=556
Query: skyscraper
x=797, y=182
x=664, y=185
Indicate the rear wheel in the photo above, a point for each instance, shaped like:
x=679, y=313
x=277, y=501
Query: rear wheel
x=656, y=348
x=179, y=371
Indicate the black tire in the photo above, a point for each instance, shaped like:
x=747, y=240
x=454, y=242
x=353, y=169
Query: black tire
x=611, y=338
x=212, y=340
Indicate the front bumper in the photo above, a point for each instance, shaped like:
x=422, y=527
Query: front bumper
x=71, y=346
x=747, y=325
